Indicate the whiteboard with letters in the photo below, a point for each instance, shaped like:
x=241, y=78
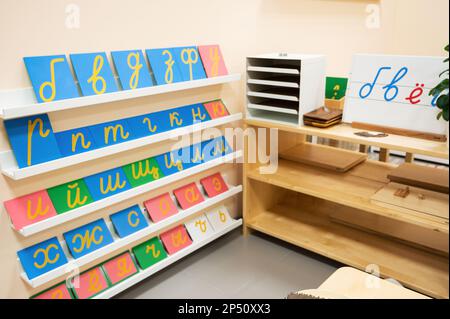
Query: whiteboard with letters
x=393, y=91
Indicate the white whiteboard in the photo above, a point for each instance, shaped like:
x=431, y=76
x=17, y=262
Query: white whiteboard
x=393, y=91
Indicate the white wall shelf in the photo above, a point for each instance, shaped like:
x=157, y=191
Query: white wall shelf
x=146, y=233
x=273, y=96
x=133, y=192
x=274, y=83
x=8, y=164
x=22, y=102
x=143, y=274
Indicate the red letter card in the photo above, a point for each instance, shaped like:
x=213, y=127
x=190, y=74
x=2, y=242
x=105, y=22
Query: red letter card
x=160, y=207
x=30, y=209
x=216, y=109
x=188, y=195
x=120, y=268
x=176, y=239
x=212, y=60
x=58, y=292
x=89, y=283
x=214, y=185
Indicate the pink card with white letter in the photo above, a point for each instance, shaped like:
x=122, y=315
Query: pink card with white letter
x=58, y=292
x=188, y=196
x=175, y=239
x=120, y=268
x=160, y=207
x=212, y=60
x=89, y=283
x=30, y=209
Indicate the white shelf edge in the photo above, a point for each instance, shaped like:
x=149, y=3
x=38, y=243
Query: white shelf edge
x=151, y=230
x=143, y=274
x=272, y=108
x=9, y=166
x=274, y=83
x=133, y=192
x=273, y=96
x=273, y=70
x=25, y=107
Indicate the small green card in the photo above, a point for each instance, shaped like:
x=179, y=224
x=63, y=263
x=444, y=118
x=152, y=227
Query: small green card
x=142, y=172
x=69, y=196
x=149, y=253
x=335, y=88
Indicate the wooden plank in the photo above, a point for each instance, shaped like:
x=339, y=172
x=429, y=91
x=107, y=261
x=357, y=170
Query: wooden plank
x=384, y=155
x=345, y=189
x=339, y=160
x=399, y=131
x=344, y=132
x=417, y=199
x=421, y=176
x=417, y=269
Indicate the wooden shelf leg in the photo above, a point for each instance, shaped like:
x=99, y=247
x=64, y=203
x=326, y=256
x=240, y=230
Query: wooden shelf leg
x=363, y=148
x=384, y=155
x=246, y=230
x=409, y=158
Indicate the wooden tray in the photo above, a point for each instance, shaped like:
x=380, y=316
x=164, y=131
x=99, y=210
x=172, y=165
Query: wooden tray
x=323, y=115
x=433, y=203
x=324, y=156
x=421, y=176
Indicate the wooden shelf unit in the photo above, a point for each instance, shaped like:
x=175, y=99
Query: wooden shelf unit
x=331, y=213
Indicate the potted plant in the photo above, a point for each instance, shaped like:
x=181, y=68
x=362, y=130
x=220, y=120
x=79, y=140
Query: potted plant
x=442, y=90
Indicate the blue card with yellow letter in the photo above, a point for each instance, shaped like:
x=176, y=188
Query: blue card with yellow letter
x=87, y=238
x=164, y=66
x=107, y=183
x=170, y=163
x=110, y=133
x=32, y=140
x=149, y=124
x=93, y=73
x=132, y=69
x=128, y=221
x=75, y=141
x=42, y=257
x=51, y=78
x=189, y=63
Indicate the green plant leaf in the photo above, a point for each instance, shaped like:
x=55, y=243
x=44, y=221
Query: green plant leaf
x=439, y=115
x=442, y=102
x=446, y=71
x=445, y=114
x=446, y=48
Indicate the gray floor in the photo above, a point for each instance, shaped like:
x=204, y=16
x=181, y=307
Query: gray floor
x=239, y=267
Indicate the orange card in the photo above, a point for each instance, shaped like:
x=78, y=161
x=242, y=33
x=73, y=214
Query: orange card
x=58, y=292
x=89, y=283
x=120, y=268
x=188, y=195
x=30, y=209
x=160, y=207
x=216, y=109
x=175, y=239
x=214, y=185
